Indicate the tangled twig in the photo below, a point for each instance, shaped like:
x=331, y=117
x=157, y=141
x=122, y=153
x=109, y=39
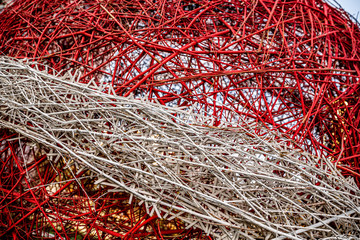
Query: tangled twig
x=226, y=180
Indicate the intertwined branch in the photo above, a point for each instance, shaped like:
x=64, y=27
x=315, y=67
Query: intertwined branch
x=232, y=182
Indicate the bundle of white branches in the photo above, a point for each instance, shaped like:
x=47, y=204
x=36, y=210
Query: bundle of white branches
x=232, y=182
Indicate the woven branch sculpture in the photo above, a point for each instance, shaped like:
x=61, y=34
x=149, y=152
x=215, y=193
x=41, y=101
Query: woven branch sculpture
x=230, y=182
x=291, y=65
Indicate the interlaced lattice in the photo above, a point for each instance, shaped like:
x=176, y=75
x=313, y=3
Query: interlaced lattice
x=232, y=182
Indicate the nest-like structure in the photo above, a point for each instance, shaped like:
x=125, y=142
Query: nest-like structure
x=231, y=182
x=261, y=101
x=290, y=65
